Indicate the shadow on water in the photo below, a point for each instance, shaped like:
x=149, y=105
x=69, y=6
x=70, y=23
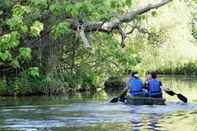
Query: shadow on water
x=85, y=112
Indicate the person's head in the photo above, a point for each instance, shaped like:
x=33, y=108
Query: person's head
x=135, y=74
x=154, y=75
x=129, y=72
x=148, y=75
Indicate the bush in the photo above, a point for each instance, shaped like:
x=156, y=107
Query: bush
x=184, y=69
x=114, y=84
x=3, y=87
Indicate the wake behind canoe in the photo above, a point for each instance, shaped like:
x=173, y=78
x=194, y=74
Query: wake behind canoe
x=144, y=101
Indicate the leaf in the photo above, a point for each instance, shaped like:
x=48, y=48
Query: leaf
x=15, y=22
x=19, y=10
x=5, y=55
x=15, y=63
x=24, y=29
x=33, y=71
x=56, y=8
x=154, y=13
x=10, y=40
x=75, y=11
x=25, y=53
x=113, y=4
x=60, y=28
x=36, y=28
x=1, y=12
x=128, y=3
x=39, y=2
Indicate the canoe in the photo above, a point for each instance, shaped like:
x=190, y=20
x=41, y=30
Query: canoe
x=144, y=101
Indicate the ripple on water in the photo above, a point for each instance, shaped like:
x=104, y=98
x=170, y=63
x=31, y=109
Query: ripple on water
x=86, y=114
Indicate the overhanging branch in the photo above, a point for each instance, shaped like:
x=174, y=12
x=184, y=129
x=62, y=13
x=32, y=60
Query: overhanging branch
x=108, y=26
x=123, y=35
x=113, y=24
x=83, y=37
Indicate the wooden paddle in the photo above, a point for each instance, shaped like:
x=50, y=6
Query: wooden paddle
x=179, y=96
x=121, y=97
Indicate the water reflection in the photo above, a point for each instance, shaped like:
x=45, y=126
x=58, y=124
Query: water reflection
x=84, y=112
x=181, y=84
x=84, y=115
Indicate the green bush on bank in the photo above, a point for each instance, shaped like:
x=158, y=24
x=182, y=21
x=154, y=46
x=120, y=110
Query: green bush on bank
x=182, y=69
x=3, y=87
x=31, y=82
x=26, y=85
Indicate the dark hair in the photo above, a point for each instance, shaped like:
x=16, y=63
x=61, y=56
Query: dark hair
x=133, y=73
x=148, y=72
x=129, y=72
x=154, y=75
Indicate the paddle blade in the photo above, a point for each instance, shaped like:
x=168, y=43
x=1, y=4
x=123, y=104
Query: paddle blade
x=182, y=98
x=114, y=100
x=122, y=99
x=169, y=92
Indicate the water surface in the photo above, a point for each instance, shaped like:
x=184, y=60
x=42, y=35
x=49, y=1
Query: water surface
x=93, y=112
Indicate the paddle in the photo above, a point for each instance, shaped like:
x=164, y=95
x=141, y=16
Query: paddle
x=121, y=97
x=179, y=96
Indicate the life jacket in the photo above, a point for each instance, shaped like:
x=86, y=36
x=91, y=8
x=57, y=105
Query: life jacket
x=154, y=88
x=135, y=87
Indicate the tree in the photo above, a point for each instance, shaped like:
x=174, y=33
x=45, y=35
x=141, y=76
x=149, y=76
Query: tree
x=48, y=34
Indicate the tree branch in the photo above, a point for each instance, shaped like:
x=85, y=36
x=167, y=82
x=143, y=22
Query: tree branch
x=108, y=26
x=123, y=36
x=113, y=24
x=83, y=37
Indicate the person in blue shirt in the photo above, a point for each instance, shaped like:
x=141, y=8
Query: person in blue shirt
x=154, y=86
x=135, y=85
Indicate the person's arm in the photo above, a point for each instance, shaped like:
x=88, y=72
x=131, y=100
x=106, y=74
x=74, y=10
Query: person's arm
x=146, y=84
x=161, y=86
x=160, y=83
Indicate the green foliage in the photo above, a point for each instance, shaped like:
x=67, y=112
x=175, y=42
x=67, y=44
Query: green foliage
x=194, y=28
x=56, y=8
x=25, y=53
x=36, y=28
x=3, y=87
x=85, y=73
x=22, y=22
x=26, y=21
x=9, y=41
x=128, y=3
x=5, y=55
x=195, y=1
x=15, y=63
x=182, y=69
x=39, y=3
x=33, y=71
x=154, y=13
x=60, y=29
x=16, y=23
x=26, y=85
x=115, y=3
x=20, y=10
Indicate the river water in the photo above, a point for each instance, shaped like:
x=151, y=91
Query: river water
x=93, y=112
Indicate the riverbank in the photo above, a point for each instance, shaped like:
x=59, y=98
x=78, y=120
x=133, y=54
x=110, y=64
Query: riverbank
x=41, y=86
x=188, y=69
